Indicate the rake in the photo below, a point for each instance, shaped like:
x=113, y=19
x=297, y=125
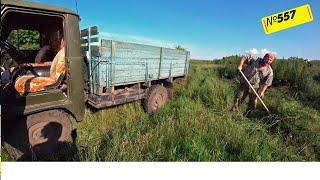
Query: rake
x=255, y=92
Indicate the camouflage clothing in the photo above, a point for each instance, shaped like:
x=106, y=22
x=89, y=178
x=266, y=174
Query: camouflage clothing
x=255, y=74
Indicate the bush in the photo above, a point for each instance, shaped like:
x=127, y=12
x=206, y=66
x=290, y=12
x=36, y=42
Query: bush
x=229, y=69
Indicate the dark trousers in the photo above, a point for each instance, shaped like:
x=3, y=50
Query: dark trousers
x=241, y=94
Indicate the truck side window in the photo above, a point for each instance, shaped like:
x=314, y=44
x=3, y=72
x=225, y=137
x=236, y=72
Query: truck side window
x=24, y=39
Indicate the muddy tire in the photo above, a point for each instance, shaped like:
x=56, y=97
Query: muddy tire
x=48, y=131
x=15, y=141
x=156, y=98
x=169, y=88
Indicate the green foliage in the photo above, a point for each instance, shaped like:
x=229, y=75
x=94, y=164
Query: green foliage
x=291, y=72
x=229, y=69
x=25, y=39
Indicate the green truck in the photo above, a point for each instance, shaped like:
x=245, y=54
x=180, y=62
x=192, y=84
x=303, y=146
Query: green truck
x=51, y=71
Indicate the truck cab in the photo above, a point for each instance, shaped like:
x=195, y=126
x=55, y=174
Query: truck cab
x=41, y=72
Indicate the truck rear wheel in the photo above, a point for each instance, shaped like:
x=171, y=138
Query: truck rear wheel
x=156, y=98
x=48, y=131
x=169, y=88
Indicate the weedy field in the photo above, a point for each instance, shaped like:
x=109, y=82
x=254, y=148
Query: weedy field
x=198, y=126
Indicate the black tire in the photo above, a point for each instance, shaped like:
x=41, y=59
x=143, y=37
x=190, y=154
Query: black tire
x=157, y=96
x=48, y=131
x=15, y=139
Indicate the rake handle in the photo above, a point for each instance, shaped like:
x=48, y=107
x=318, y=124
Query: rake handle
x=255, y=92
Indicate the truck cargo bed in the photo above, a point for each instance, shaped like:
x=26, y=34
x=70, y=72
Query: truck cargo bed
x=114, y=63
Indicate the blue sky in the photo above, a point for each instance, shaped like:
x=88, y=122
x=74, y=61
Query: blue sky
x=208, y=28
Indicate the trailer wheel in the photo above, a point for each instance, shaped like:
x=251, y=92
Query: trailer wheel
x=156, y=98
x=169, y=88
x=48, y=131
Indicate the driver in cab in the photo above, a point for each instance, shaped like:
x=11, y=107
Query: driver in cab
x=29, y=83
x=33, y=83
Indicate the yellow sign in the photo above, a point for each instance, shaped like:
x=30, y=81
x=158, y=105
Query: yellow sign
x=287, y=19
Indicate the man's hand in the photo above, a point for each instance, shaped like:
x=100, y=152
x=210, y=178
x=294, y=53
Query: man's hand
x=239, y=68
x=262, y=91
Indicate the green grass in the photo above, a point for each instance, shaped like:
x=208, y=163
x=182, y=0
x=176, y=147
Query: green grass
x=198, y=126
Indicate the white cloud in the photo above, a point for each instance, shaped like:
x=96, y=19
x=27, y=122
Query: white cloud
x=260, y=53
x=253, y=51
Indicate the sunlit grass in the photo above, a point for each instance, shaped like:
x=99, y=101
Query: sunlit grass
x=198, y=126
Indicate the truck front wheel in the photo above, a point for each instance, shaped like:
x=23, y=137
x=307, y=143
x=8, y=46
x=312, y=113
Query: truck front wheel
x=48, y=131
x=156, y=98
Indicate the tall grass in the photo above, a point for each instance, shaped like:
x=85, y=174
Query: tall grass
x=198, y=126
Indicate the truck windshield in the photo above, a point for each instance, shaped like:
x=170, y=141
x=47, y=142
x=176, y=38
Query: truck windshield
x=26, y=34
